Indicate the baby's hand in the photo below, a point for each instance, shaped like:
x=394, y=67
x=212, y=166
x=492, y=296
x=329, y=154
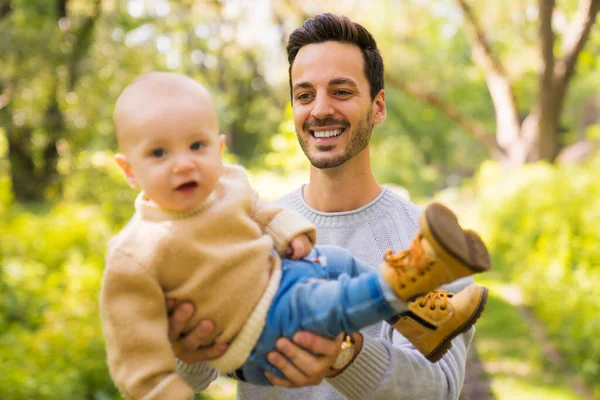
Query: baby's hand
x=299, y=247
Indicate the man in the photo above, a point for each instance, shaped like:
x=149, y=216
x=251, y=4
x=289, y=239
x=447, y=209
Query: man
x=336, y=82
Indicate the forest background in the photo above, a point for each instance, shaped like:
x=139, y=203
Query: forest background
x=492, y=107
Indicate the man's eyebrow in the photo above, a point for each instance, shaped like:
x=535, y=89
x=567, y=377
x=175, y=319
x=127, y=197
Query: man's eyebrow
x=303, y=85
x=342, y=81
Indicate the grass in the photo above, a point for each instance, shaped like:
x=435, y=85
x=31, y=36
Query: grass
x=513, y=359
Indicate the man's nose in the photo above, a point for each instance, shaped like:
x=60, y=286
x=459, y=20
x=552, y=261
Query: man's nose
x=182, y=164
x=322, y=107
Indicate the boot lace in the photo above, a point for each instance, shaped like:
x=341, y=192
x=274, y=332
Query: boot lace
x=433, y=297
x=414, y=257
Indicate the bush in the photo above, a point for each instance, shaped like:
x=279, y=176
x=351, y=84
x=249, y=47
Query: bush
x=50, y=337
x=542, y=225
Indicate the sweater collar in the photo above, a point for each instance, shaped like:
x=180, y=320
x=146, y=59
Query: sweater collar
x=149, y=210
x=374, y=209
x=373, y=203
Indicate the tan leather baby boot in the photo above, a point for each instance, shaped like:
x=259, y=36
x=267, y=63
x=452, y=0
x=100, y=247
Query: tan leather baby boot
x=440, y=253
x=433, y=320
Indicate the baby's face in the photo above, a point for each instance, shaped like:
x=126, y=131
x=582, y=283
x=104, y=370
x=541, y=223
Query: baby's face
x=173, y=151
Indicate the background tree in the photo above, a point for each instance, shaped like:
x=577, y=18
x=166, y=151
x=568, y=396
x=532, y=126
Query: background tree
x=536, y=136
x=43, y=51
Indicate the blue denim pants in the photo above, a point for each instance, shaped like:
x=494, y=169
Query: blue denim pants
x=342, y=294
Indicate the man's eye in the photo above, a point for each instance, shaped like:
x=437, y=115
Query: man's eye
x=196, y=145
x=343, y=92
x=157, y=153
x=304, y=96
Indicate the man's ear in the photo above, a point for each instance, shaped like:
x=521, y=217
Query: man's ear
x=379, y=108
x=123, y=163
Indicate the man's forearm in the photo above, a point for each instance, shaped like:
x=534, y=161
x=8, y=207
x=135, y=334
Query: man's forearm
x=388, y=366
x=392, y=368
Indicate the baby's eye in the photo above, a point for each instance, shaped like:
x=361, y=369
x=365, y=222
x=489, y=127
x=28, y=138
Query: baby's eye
x=196, y=145
x=157, y=153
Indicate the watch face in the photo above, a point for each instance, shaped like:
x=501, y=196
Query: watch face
x=343, y=358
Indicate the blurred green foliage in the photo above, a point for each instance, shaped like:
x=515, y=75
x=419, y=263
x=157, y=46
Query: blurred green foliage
x=63, y=64
x=515, y=361
x=50, y=337
x=59, y=79
x=542, y=223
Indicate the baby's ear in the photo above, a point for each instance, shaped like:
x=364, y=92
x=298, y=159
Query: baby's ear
x=123, y=163
x=221, y=142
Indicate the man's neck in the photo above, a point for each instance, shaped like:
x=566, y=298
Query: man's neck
x=344, y=188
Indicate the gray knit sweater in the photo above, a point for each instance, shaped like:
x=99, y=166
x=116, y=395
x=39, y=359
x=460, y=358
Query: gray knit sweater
x=388, y=367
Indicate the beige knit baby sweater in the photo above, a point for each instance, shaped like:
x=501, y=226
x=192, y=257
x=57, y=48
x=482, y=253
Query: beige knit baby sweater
x=218, y=256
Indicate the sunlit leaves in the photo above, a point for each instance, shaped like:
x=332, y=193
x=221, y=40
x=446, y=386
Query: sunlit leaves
x=539, y=221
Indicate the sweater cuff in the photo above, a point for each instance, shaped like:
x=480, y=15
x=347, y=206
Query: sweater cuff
x=172, y=387
x=199, y=376
x=360, y=379
x=285, y=226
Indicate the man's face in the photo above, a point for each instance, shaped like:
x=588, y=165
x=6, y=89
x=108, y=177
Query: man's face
x=333, y=111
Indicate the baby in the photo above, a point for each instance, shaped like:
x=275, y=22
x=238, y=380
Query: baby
x=201, y=234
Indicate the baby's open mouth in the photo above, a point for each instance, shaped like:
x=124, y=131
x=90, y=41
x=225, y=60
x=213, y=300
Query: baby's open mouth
x=187, y=186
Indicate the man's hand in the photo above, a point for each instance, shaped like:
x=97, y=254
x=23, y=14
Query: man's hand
x=310, y=359
x=299, y=247
x=191, y=347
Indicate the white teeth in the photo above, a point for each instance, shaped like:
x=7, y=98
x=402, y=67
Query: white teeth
x=327, y=134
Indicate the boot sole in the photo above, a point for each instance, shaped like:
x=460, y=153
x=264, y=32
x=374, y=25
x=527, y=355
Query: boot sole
x=446, y=344
x=440, y=226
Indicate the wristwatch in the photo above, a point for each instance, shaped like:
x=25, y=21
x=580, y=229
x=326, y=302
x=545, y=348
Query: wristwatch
x=345, y=356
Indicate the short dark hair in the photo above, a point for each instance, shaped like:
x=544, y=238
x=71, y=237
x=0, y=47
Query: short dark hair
x=328, y=27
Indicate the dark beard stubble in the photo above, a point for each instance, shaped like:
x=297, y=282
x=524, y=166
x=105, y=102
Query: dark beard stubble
x=360, y=140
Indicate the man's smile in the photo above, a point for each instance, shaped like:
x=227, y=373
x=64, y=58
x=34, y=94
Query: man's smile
x=327, y=133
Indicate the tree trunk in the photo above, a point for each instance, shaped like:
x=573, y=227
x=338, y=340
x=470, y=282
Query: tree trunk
x=22, y=167
x=537, y=138
x=30, y=181
x=34, y=170
x=55, y=128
